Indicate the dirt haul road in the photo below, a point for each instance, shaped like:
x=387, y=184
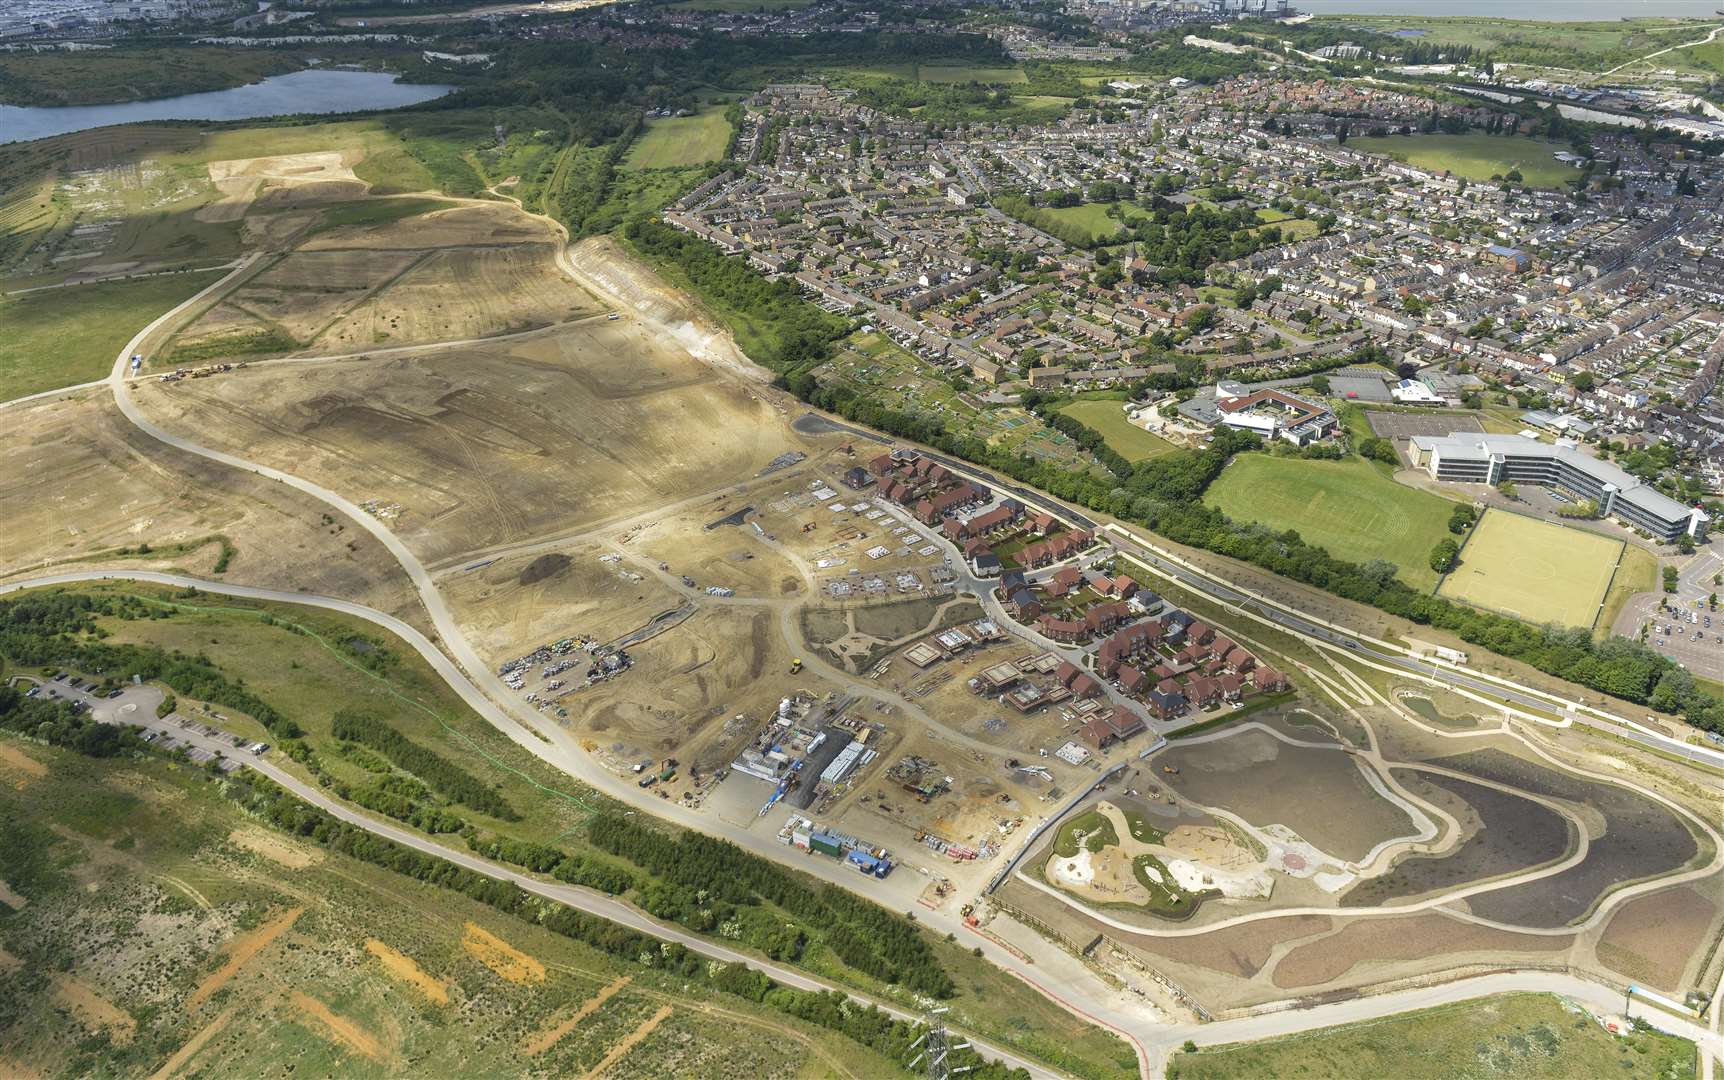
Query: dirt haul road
x=1153, y=1041
x=484, y=690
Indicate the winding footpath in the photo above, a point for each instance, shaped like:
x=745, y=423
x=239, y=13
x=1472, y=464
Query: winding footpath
x=453, y=658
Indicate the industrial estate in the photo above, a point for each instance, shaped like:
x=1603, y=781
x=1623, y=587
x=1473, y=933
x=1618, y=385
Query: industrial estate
x=817, y=539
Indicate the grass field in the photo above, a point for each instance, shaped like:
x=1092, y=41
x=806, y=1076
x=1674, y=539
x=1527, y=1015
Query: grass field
x=62, y=337
x=1475, y=156
x=1534, y=570
x=1091, y=216
x=963, y=73
x=226, y=948
x=682, y=140
x=1108, y=417
x=1523, y=1036
x=308, y=664
x=1349, y=507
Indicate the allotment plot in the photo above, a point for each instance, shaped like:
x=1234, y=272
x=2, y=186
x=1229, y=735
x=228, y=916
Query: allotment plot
x=1534, y=570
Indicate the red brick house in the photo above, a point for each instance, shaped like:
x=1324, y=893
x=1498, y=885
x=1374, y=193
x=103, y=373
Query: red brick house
x=1085, y=686
x=1132, y=680
x=1232, y=687
x=1065, y=631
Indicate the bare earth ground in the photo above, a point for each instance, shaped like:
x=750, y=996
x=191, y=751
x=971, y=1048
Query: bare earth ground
x=1653, y=937
x=81, y=481
x=1388, y=941
x=488, y=445
x=515, y=604
x=470, y=271
x=240, y=181
x=1319, y=794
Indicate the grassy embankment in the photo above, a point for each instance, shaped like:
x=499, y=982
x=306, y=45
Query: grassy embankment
x=311, y=664
x=1524, y=1036
x=1108, y=417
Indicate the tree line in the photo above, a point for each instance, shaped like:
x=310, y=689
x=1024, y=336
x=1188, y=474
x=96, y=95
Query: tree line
x=700, y=878
x=1164, y=493
x=448, y=779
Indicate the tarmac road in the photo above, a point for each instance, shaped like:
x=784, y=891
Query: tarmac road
x=484, y=691
x=1382, y=652
x=586, y=900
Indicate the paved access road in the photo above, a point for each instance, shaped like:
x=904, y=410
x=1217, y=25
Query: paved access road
x=483, y=691
x=1336, y=637
x=136, y=707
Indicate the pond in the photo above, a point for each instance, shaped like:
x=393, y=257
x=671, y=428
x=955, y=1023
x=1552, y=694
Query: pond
x=320, y=91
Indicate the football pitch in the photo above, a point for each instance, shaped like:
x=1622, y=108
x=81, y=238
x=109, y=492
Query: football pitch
x=1534, y=570
x=1349, y=507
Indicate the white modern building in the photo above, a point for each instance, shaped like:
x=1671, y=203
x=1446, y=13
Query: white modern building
x=1471, y=458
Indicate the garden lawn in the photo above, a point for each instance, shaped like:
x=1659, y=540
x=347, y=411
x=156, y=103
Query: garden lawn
x=1534, y=570
x=1475, y=156
x=1351, y=508
x=1108, y=417
x=1090, y=216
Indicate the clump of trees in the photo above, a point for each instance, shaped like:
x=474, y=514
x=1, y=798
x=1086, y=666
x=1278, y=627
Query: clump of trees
x=788, y=332
x=60, y=630
x=1444, y=555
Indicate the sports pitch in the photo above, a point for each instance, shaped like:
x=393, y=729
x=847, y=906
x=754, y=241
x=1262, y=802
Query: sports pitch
x=1534, y=570
x=1349, y=507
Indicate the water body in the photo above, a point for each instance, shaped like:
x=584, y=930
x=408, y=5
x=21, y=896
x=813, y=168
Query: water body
x=315, y=91
x=1535, y=10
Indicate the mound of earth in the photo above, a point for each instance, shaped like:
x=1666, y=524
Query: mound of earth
x=543, y=567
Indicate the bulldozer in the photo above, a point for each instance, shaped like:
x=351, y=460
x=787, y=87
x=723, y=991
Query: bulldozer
x=796, y=667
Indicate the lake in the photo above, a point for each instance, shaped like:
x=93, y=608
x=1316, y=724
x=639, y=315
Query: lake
x=316, y=91
x=1535, y=10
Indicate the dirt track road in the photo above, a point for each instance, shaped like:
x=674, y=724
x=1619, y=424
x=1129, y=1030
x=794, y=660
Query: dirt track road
x=482, y=690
